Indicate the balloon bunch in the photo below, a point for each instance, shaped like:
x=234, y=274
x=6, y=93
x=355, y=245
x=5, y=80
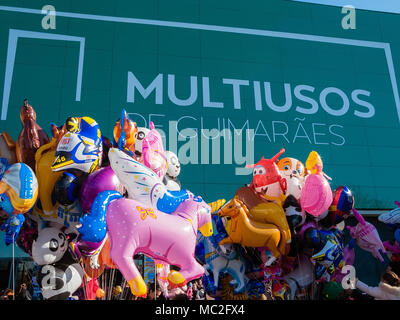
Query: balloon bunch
x=82, y=206
x=284, y=227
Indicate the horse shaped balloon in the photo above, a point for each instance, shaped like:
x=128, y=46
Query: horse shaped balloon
x=134, y=227
x=143, y=184
x=31, y=137
x=249, y=233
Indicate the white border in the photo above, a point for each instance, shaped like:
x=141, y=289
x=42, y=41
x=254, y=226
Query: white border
x=265, y=33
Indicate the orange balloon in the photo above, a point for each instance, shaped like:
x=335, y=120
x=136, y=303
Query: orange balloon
x=104, y=256
x=92, y=273
x=130, y=129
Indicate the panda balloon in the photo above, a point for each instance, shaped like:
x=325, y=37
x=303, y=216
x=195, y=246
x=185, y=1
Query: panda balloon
x=174, y=168
x=59, y=274
x=142, y=133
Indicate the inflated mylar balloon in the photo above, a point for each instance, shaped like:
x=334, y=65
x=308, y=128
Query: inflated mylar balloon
x=81, y=147
x=50, y=246
x=125, y=139
x=367, y=237
x=174, y=168
x=32, y=136
x=316, y=195
x=340, y=209
x=133, y=227
x=252, y=234
x=101, y=180
x=18, y=189
x=301, y=277
x=142, y=133
x=153, y=153
x=60, y=280
x=12, y=227
x=46, y=177
x=143, y=184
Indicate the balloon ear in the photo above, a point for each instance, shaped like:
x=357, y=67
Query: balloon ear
x=152, y=125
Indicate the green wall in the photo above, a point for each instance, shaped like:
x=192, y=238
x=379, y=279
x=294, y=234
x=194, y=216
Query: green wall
x=359, y=152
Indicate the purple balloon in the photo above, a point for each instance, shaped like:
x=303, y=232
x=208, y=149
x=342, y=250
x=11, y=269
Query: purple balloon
x=99, y=181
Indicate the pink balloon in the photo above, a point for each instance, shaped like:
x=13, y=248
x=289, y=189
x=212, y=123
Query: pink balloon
x=316, y=195
x=171, y=238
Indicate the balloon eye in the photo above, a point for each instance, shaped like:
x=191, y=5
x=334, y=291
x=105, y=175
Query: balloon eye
x=299, y=171
x=53, y=246
x=286, y=167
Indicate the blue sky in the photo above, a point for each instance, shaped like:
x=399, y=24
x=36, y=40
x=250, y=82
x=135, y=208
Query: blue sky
x=392, y=6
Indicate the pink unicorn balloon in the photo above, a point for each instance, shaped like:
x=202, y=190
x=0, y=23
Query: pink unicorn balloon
x=367, y=236
x=169, y=238
x=153, y=153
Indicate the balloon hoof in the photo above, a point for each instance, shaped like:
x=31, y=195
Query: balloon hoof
x=176, y=279
x=138, y=287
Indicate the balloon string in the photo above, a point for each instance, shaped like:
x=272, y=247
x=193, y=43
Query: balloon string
x=13, y=272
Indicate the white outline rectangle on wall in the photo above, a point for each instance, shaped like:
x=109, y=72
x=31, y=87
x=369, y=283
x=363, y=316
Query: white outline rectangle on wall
x=257, y=32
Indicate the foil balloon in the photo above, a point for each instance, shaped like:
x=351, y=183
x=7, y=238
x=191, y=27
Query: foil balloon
x=81, y=147
x=50, y=246
x=316, y=195
x=27, y=235
x=12, y=228
x=294, y=172
x=31, y=138
x=301, y=277
x=143, y=185
x=101, y=180
x=153, y=154
x=46, y=177
x=66, y=273
x=133, y=227
x=142, y=133
x=267, y=179
x=125, y=138
x=340, y=209
x=18, y=188
x=251, y=234
x=218, y=261
x=367, y=236
x=7, y=148
x=174, y=168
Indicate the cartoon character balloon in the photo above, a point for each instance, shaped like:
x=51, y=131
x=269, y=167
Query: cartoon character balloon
x=294, y=173
x=174, y=168
x=267, y=179
x=81, y=147
x=125, y=139
x=142, y=133
x=316, y=195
